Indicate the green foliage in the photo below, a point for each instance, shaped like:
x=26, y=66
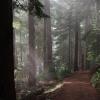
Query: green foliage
x=41, y=76
x=93, y=47
x=39, y=9
x=47, y=74
x=62, y=72
x=96, y=79
x=98, y=59
x=35, y=7
x=57, y=73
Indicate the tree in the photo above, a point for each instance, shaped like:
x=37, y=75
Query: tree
x=98, y=12
x=76, y=44
x=35, y=8
x=47, y=39
x=32, y=69
x=70, y=27
x=7, y=84
x=64, y=35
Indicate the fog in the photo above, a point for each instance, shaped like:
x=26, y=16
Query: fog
x=45, y=47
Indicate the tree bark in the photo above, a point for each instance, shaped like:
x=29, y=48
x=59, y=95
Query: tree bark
x=98, y=12
x=70, y=43
x=47, y=38
x=87, y=29
x=21, y=52
x=76, y=45
x=7, y=84
x=69, y=49
x=32, y=66
x=79, y=52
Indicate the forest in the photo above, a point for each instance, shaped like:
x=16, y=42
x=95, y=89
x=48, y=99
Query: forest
x=56, y=50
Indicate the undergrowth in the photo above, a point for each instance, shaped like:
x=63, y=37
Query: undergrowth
x=96, y=79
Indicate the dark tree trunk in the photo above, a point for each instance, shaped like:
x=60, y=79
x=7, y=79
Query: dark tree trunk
x=70, y=43
x=82, y=62
x=69, y=49
x=76, y=45
x=79, y=52
x=47, y=38
x=7, y=84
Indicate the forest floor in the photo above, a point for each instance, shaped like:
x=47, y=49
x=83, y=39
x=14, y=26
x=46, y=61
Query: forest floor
x=75, y=87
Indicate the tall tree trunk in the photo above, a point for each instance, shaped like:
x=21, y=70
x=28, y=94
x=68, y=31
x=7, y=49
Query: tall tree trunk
x=32, y=66
x=76, y=45
x=87, y=29
x=7, y=84
x=82, y=60
x=47, y=38
x=69, y=49
x=79, y=52
x=98, y=12
x=21, y=52
x=70, y=43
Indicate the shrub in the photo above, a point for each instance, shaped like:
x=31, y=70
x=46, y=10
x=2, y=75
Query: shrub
x=57, y=73
x=96, y=79
x=62, y=72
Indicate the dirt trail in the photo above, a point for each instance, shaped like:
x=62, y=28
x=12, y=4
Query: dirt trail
x=76, y=87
